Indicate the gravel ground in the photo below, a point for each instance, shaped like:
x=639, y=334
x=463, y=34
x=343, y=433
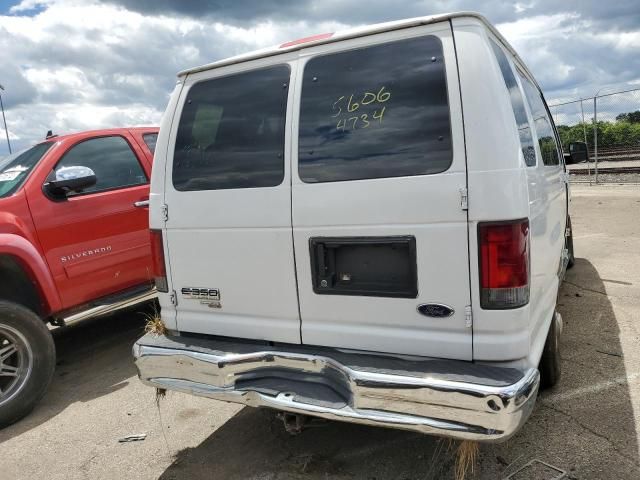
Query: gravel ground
x=612, y=178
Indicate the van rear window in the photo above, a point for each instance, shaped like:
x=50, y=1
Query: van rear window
x=231, y=132
x=379, y=111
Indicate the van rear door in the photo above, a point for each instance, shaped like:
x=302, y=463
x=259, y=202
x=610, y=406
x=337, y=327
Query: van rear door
x=228, y=192
x=379, y=230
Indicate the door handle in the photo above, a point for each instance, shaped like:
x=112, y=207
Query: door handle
x=141, y=203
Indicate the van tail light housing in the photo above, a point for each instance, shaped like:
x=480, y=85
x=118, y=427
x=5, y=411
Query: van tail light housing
x=159, y=270
x=504, y=264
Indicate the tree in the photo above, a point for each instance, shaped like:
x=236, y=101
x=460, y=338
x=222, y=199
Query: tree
x=630, y=117
x=610, y=134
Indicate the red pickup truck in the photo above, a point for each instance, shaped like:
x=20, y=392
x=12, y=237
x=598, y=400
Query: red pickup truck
x=74, y=243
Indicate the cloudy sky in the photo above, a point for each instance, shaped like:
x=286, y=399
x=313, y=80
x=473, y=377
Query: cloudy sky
x=70, y=65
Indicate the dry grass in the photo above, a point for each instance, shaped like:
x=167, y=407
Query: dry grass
x=160, y=394
x=154, y=324
x=466, y=458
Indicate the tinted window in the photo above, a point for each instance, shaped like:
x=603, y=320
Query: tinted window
x=380, y=111
x=517, y=104
x=546, y=136
x=15, y=168
x=111, y=159
x=150, y=139
x=231, y=132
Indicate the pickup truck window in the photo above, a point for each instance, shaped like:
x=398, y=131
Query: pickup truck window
x=546, y=136
x=150, y=139
x=111, y=159
x=231, y=132
x=517, y=104
x=378, y=111
x=15, y=168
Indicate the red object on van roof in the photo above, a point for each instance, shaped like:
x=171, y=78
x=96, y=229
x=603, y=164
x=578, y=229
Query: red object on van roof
x=320, y=36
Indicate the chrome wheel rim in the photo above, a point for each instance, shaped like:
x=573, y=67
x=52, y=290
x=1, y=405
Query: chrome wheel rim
x=16, y=362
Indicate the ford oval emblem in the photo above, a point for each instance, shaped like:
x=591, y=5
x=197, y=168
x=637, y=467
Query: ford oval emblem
x=437, y=310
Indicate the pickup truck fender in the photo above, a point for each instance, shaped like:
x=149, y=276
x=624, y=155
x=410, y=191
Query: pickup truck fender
x=30, y=259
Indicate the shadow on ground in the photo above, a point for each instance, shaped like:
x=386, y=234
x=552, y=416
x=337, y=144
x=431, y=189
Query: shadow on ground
x=93, y=359
x=253, y=444
x=585, y=426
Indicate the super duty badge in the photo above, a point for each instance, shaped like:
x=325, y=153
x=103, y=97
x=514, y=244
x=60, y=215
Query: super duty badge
x=207, y=296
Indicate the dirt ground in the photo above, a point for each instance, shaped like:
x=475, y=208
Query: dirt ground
x=587, y=426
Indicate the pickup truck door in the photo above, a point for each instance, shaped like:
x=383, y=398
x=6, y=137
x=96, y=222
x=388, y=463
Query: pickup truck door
x=378, y=188
x=228, y=196
x=96, y=242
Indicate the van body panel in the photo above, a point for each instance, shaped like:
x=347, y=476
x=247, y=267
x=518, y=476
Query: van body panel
x=427, y=207
x=254, y=246
x=548, y=219
x=461, y=18
x=495, y=181
x=157, y=199
x=547, y=242
x=502, y=187
x=236, y=241
x=539, y=329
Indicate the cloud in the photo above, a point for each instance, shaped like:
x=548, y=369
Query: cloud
x=30, y=6
x=71, y=65
x=571, y=56
x=74, y=58
x=619, y=13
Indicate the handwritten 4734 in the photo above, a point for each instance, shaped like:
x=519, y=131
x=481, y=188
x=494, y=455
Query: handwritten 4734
x=349, y=105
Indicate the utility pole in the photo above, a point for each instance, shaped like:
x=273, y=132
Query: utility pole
x=4, y=120
x=595, y=131
x=584, y=132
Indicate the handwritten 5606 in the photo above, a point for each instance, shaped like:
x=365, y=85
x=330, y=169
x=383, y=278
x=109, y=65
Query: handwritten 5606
x=350, y=106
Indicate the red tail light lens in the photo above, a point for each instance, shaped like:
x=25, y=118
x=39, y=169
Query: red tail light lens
x=157, y=253
x=504, y=264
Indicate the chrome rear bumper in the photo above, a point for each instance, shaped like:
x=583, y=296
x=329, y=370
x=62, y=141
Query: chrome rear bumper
x=441, y=397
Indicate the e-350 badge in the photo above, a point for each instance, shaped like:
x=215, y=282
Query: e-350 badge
x=206, y=296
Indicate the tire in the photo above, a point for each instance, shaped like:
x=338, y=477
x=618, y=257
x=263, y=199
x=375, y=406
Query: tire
x=569, y=245
x=27, y=354
x=550, y=361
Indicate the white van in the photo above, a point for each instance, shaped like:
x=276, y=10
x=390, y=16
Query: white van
x=368, y=226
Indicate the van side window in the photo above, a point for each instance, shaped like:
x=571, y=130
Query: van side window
x=231, y=132
x=546, y=137
x=517, y=104
x=373, y=112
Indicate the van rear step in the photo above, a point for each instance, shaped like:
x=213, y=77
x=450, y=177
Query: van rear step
x=441, y=397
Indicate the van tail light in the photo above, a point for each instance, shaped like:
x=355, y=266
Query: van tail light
x=504, y=264
x=159, y=270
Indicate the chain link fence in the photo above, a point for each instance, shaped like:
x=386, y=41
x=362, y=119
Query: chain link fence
x=609, y=123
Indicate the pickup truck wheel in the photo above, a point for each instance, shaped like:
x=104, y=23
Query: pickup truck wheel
x=27, y=361
x=569, y=243
x=550, y=362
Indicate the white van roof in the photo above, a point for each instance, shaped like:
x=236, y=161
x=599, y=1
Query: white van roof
x=351, y=33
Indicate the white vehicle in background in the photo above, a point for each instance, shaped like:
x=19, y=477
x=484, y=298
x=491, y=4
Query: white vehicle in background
x=368, y=226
